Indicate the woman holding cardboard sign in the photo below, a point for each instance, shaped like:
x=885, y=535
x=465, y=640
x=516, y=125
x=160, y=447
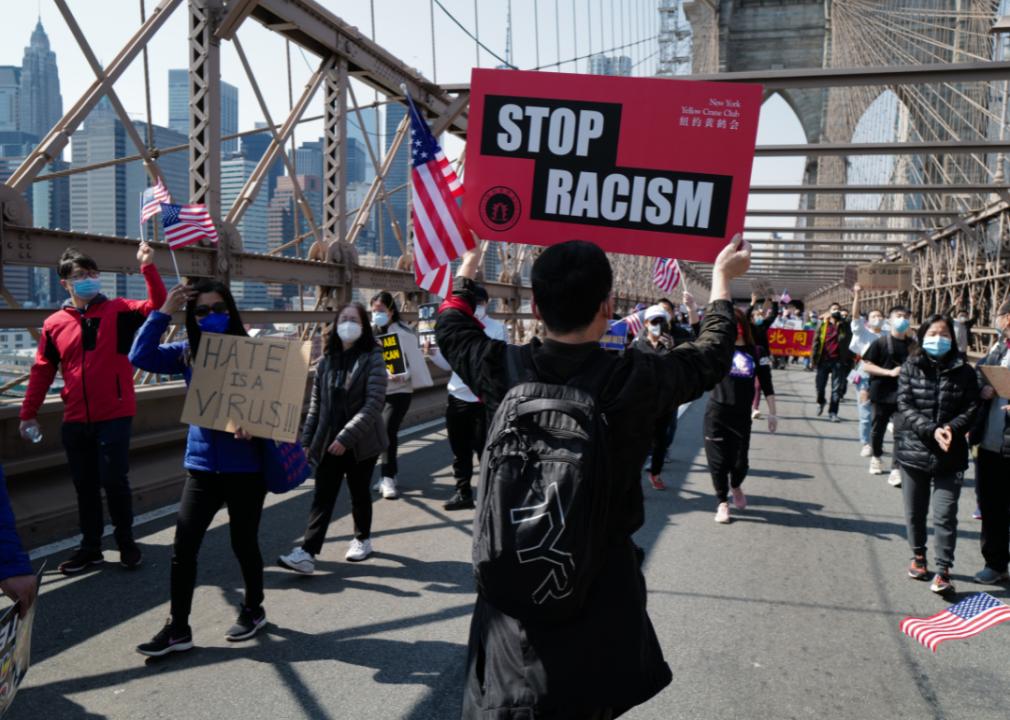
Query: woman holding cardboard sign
x=222, y=468
x=343, y=434
x=385, y=320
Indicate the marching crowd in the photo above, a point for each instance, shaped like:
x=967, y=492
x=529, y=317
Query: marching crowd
x=543, y=419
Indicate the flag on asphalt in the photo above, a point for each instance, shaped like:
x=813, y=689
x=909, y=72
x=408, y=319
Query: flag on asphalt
x=968, y=617
x=186, y=224
x=440, y=233
x=151, y=199
x=666, y=274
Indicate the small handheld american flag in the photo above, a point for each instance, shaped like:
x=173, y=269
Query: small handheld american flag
x=666, y=274
x=186, y=224
x=786, y=297
x=636, y=321
x=151, y=200
x=968, y=617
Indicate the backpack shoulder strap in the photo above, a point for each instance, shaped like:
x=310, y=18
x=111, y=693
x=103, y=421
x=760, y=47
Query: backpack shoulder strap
x=519, y=364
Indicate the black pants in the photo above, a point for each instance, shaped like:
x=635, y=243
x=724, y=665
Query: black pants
x=993, y=483
x=466, y=425
x=98, y=454
x=662, y=438
x=884, y=413
x=727, y=446
x=838, y=371
x=329, y=476
x=202, y=496
x=392, y=414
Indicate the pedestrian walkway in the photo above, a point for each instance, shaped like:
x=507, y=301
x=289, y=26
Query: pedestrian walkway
x=791, y=611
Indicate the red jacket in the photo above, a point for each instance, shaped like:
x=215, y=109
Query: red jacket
x=91, y=349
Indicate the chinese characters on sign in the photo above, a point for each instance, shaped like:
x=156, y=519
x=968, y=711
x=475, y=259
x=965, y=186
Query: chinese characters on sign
x=886, y=276
x=793, y=343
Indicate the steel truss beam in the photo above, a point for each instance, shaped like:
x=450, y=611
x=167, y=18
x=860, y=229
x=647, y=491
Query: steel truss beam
x=852, y=213
x=943, y=147
x=963, y=189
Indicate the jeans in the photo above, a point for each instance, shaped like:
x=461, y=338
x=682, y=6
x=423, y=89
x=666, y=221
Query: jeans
x=882, y=414
x=329, y=476
x=98, y=454
x=727, y=447
x=865, y=409
x=466, y=426
x=392, y=414
x=838, y=371
x=661, y=439
x=202, y=496
x=946, y=489
x=992, y=480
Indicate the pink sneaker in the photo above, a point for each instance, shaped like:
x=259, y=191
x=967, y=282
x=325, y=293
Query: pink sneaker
x=739, y=499
x=722, y=514
x=657, y=482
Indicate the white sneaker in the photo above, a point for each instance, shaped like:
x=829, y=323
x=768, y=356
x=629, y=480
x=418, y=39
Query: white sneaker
x=377, y=486
x=755, y=415
x=359, y=550
x=866, y=451
x=890, y=427
x=722, y=513
x=388, y=488
x=299, y=561
x=875, y=467
x=894, y=479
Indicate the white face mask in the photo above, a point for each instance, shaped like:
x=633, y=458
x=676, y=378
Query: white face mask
x=481, y=312
x=348, y=331
x=380, y=318
x=876, y=323
x=961, y=320
x=654, y=330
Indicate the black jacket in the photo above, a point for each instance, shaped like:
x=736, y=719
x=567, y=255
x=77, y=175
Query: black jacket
x=364, y=433
x=934, y=394
x=978, y=432
x=844, y=340
x=760, y=332
x=608, y=656
x=678, y=334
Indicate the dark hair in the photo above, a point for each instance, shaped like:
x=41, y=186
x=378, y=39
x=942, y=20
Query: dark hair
x=920, y=334
x=569, y=282
x=387, y=299
x=898, y=308
x=667, y=301
x=335, y=346
x=742, y=321
x=1004, y=308
x=72, y=256
x=481, y=293
x=235, y=326
x=833, y=304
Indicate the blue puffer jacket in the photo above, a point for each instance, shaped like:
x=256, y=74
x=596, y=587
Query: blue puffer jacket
x=207, y=450
x=13, y=560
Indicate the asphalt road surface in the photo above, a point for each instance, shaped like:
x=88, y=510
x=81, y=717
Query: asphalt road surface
x=791, y=611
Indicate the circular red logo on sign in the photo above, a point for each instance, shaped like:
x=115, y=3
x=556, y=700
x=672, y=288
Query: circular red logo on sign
x=500, y=208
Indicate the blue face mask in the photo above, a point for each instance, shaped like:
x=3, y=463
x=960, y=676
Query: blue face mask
x=758, y=321
x=215, y=323
x=87, y=288
x=936, y=345
x=901, y=324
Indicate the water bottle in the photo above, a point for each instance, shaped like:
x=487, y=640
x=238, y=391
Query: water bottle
x=34, y=434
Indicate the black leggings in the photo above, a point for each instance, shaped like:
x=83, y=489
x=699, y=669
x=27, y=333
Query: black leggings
x=392, y=414
x=727, y=446
x=329, y=476
x=202, y=496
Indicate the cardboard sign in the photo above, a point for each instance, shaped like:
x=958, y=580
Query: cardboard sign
x=256, y=384
x=886, y=276
x=392, y=353
x=794, y=343
x=616, y=336
x=16, y=647
x=640, y=166
x=762, y=287
x=851, y=277
x=427, y=314
x=999, y=378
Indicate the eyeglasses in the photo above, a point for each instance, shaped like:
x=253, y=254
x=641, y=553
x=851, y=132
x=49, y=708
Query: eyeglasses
x=217, y=308
x=93, y=274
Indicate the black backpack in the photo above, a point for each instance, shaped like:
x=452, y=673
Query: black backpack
x=543, y=500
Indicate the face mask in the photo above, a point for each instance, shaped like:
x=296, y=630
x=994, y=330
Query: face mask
x=1002, y=329
x=87, y=288
x=380, y=318
x=961, y=320
x=215, y=323
x=758, y=321
x=349, y=331
x=936, y=345
x=836, y=315
x=900, y=324
x=654, y=330
x=876, y=323
x=480, y=313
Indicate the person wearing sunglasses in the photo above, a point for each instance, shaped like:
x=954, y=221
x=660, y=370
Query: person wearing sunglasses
x=87, y=341
x=223, y=468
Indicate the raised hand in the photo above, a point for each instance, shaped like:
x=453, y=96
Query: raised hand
x=177, y=297
x=145, y=254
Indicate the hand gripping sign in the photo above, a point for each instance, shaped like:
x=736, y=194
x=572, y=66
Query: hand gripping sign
x=636, y=165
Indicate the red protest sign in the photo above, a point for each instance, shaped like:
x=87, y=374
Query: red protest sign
x=794, y=343
x=640, y=166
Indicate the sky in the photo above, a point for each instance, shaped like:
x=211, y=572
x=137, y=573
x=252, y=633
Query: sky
x=403, y=27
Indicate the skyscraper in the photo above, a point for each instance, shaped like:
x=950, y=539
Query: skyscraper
x=308, y=159
x=600, y=64
x=356, y=132
x=229, y=117
x=41, y=105
x=285, y=222
x=255, y=147
x=10, y=98
x=178, y=108
x=397, y=176
x=253, y=227
x=357, y=161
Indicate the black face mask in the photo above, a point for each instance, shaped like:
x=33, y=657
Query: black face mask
x=836, y=315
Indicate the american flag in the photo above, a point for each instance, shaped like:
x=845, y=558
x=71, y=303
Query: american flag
x=186, y=224
x=636, y=321
x=968, y=617
x=440, y=233
x=786, y=297
x=666, y=274
x=151, y=200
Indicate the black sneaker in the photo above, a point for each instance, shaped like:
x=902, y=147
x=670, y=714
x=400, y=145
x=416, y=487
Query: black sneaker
x=129, y=554
x=80, y=560
x=918, y=570
x=250, y=620
x=459, y=502
x=168, y=640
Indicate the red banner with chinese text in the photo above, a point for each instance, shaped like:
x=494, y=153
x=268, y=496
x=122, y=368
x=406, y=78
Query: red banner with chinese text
x=792, y=343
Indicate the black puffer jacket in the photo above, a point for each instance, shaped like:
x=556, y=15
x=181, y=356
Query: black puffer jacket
x=934, y=394
x=364, y=433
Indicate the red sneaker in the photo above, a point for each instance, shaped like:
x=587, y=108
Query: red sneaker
x=657, y=482
x=918, y=570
